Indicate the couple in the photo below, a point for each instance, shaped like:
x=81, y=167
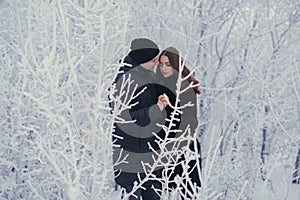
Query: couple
x=141, y=99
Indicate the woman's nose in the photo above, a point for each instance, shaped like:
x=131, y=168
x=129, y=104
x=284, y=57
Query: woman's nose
x=163, y=69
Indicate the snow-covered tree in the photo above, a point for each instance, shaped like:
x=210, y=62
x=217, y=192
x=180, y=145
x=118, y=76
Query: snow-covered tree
x=58, y=59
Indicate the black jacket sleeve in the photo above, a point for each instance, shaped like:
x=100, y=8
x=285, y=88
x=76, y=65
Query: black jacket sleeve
x=136, y=106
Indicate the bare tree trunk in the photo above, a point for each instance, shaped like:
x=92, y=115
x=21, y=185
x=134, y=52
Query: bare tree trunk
x=203, y=61
x=264, y=150
x=296, y=174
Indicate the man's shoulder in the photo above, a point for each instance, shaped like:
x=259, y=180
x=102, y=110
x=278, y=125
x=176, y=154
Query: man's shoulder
x=128, y=74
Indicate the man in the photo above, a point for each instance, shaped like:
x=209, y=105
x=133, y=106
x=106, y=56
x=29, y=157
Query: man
x=137, y=110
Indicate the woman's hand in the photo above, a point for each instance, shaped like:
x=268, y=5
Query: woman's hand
x=163, y=101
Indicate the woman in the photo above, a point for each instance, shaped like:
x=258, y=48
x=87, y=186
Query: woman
x=167, y=76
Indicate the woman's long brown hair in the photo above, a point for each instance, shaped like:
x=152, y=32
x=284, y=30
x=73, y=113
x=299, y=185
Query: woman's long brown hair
x=173, y=56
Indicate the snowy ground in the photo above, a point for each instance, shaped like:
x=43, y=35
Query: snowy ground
x=294, y=193
x=282, y=179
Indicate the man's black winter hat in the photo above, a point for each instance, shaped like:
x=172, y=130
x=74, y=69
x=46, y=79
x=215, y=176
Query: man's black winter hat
x=143, y=50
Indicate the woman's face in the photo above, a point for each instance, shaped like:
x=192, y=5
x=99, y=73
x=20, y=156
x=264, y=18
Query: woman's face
x=165, y=67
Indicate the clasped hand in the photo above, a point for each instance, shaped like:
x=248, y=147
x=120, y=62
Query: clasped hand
x=163, y=101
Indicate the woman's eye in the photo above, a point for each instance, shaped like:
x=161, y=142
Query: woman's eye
x=161, y=64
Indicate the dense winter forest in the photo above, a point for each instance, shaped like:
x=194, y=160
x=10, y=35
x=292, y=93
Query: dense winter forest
x=58, y=58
